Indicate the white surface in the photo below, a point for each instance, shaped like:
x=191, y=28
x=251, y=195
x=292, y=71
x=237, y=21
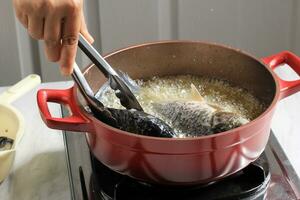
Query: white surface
x=40, y=171
x=286, y=120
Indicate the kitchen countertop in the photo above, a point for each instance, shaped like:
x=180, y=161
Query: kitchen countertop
x=40, y=171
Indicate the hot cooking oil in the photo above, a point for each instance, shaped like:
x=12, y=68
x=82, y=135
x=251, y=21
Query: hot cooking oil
x=215, y=92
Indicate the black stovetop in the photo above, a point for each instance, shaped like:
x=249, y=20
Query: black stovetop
x=270, y=177
x=250, y=183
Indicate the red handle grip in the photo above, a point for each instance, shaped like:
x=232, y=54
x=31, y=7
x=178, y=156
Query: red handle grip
x=76, y=122
x=287, y=88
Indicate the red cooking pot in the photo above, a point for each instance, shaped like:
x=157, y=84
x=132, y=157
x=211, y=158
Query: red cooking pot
x=180, y=161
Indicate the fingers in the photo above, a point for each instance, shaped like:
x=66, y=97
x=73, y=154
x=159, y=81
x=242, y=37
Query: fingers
x=24, y=21
x=70, y=30
x=43, y=20
x=52, y=35
x=84, y=31
x=36, y=26
x=23, y=18
x=31, y=15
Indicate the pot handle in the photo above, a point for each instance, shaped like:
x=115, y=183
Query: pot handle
x=75, y=122
x=287, y=88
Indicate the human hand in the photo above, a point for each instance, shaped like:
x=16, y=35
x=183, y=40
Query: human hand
x=58, y=23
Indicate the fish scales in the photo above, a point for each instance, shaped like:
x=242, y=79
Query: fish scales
x=198, y=118
x=189, y=117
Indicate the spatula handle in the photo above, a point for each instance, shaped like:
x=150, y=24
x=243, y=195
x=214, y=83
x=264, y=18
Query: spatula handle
x=20, y=88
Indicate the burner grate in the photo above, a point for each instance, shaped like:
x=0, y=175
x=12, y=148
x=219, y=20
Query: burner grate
x=250, y=183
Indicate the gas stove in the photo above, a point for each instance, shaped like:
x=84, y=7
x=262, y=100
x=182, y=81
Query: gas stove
x=270, y=177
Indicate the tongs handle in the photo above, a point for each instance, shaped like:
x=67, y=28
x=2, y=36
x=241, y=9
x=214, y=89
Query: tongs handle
x=84, y=87
x=95, y=57
x=81, y=81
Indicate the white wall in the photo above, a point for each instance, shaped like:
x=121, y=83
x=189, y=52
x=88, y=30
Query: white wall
x=261, y=27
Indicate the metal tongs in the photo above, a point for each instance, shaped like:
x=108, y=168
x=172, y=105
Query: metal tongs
x=84, y=87
x=127, y=98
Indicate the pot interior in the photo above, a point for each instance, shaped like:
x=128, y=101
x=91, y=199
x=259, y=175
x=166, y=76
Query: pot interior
x=196, y=58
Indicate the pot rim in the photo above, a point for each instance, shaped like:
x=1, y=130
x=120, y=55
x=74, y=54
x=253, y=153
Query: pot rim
x=232, y=131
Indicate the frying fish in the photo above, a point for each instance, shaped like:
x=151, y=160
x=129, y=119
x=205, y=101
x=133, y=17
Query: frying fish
x=134, y=121
x=141, y=123
x=5, y=143
x=195, y=117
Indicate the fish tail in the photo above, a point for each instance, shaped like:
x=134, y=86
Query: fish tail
x=195, y=93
